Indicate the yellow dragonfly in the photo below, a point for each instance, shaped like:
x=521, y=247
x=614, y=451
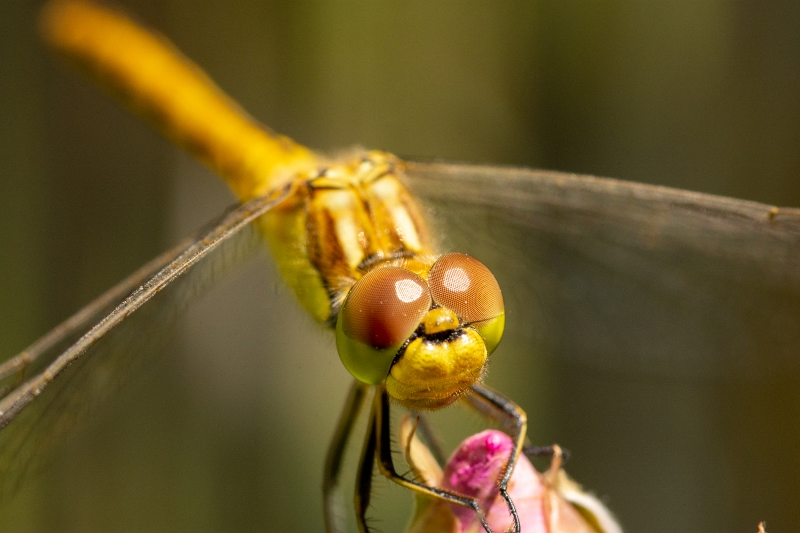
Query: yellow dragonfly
x=592, y=216
x=349, y=240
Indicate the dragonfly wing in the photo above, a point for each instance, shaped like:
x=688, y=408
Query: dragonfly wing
x=653, y=332
x=77, y=365
x=631, y=277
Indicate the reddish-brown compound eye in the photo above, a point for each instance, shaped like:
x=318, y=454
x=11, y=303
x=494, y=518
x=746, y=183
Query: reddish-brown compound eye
x=464, y=285
x=385, y=307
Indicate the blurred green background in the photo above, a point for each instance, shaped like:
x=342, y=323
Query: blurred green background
x=218, y=437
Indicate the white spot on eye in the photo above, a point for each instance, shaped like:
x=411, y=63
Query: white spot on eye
x=456, y=279
x=407, y=290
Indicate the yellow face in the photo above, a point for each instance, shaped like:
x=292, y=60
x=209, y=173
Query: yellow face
x=428, y=338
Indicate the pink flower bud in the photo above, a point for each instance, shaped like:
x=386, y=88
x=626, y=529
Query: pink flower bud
x=545, y=503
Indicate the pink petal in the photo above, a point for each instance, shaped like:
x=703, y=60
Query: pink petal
x=474, y=470
x=542, y=501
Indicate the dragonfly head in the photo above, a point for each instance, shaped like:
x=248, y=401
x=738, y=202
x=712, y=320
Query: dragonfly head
x=427, y=335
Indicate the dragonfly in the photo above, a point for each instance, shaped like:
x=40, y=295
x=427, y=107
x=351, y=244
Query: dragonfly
x=599, y=226
x=348, y=239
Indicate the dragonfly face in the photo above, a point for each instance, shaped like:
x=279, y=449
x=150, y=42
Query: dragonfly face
x=428, y=338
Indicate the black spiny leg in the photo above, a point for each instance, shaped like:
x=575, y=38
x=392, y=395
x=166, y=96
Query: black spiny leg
x=546, y=451
x=333, y=461
x=514, y=420
x=386, y=464
x=364, y=479
x=425, y=430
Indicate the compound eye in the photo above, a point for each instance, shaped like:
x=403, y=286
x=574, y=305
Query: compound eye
x=464, y=285
x=385, y=307
x=380, y=313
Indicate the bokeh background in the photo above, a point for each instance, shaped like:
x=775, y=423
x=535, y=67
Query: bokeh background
x=227, y=430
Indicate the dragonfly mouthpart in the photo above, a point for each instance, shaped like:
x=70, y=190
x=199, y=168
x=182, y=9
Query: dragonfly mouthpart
x=435, y=370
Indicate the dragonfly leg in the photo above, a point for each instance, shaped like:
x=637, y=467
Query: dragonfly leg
x=364, y=479
x=383, y=452
x=333, y=461
x=546, y=451
x=514, y=421
x=426, y=431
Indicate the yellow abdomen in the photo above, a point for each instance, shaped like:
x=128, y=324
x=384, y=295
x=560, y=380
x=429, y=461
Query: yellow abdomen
x=343, y=218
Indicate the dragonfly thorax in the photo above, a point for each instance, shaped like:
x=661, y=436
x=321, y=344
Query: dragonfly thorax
x=343, y=220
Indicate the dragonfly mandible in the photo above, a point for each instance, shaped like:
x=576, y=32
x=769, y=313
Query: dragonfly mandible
x=633, y=280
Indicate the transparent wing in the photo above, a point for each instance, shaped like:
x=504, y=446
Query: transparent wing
x=631, y=276
x=653, y=332
x=78, y=364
